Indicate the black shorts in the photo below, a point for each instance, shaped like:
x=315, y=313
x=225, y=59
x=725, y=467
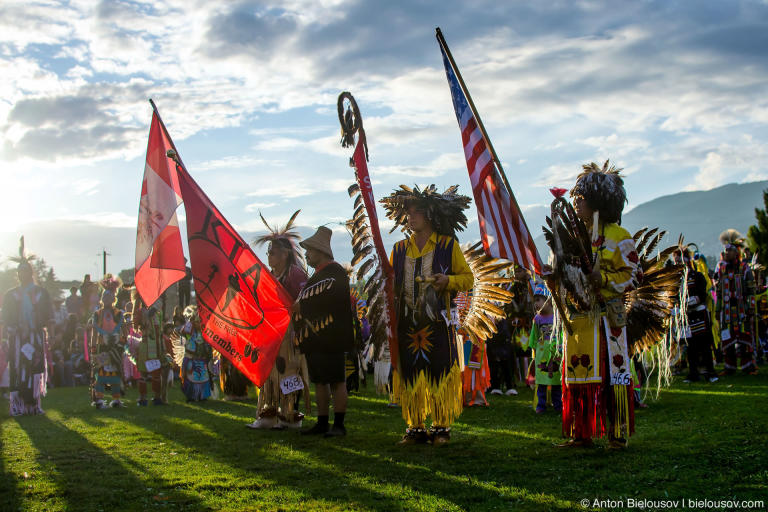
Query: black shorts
x=326, y=367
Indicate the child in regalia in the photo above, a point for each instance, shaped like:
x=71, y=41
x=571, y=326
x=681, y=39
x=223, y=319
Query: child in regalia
x=151, y=351
x=547, y=358
x=195, y=375
x=109, y=338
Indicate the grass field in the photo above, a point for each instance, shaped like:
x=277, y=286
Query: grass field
x=702, y=441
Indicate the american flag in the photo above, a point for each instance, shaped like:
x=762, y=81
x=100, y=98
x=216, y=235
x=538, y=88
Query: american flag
x=502, y=227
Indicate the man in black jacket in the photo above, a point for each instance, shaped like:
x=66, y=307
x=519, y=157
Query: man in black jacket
x=324, y=325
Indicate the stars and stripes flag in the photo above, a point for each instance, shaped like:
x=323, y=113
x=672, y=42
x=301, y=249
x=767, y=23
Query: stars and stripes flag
x=502, y=226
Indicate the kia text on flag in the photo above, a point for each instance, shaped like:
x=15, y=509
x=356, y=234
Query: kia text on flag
x=243, y=309
x=159, y=256
x=503, y=230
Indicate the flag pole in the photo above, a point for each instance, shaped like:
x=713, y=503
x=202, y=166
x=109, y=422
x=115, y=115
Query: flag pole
x=177, y=156
x=444, y=46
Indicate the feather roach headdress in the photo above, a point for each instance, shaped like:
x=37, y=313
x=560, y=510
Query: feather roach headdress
x=732, y=237
x=24, y=259
x=110, y=284
x=445, y=211
x=286, y=237
x=602, y=189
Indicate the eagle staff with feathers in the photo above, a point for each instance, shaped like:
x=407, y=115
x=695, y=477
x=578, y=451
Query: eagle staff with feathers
x=411, y=293
x=614, y=298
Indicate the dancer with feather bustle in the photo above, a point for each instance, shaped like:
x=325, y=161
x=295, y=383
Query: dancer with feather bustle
x=597, y=391
x=429, y=270
x=277, y=409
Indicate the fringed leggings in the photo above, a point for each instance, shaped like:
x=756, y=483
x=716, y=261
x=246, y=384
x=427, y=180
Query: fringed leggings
x=596, y=409
x=423, y=397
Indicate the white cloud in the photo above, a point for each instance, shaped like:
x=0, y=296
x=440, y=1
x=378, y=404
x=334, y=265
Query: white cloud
x=556, y=88
x=278, y=144
x=254, y=207
x=86, y=187
x=232, y=162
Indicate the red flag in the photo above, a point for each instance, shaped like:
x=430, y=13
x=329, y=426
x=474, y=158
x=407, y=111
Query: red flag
x=159, y=256
x=366, y=190
x=243, y=309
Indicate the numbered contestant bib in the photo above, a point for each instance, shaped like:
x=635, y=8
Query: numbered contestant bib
x=152, y=365
x=618, y=355
x=28, y=350
x=290, y=384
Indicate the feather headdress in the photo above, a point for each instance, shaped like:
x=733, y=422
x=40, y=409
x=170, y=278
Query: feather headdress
x=24, y=259
x=603, y=189
x=110, y=284
x=286, y=235
x=445, y=211
x=732, y=237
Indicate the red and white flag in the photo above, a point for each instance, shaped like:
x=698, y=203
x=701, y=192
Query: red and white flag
x=244, y=311
x=502, y=226
x=159, y=255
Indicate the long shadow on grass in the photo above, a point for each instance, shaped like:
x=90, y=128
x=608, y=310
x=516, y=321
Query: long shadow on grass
x=8, y=491
x=87, y=477
x=390, y=475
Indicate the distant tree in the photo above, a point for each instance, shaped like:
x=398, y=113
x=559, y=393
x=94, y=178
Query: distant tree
x=757, y=235
x=126, y=275
x=50, y=283
x=44, y=276
x=8, y=280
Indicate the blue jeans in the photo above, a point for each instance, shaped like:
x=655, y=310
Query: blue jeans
x=557, y=397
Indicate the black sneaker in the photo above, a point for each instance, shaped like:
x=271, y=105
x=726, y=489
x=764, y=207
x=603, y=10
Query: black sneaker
x=336, y=431
x=141, y=402
x=316, y=430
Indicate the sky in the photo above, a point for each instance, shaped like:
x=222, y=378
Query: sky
x=675, y=92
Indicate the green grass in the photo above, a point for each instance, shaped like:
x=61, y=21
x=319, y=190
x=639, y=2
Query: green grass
x=696, y=441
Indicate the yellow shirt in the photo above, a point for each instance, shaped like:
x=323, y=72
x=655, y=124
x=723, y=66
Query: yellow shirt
x=618, y=261
x=461, y=278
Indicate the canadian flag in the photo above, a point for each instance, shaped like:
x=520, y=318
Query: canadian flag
x=159, y=254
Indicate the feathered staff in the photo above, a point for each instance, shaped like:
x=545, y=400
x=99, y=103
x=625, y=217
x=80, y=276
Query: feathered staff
x=367, y=245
